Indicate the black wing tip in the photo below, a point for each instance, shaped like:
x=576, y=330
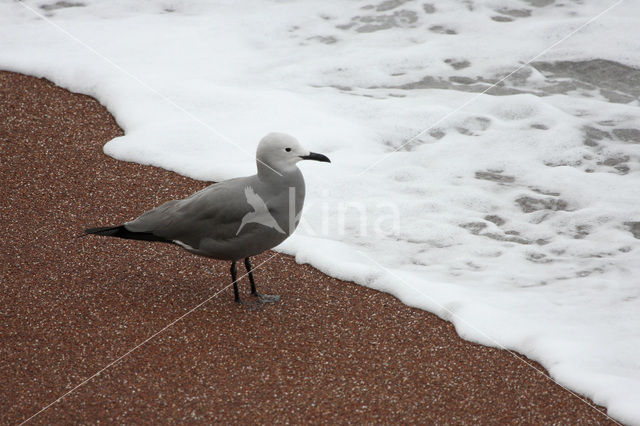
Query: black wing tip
x=121, y=232
x=110, y=231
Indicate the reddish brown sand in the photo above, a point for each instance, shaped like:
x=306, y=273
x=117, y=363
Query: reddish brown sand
x=329, y=352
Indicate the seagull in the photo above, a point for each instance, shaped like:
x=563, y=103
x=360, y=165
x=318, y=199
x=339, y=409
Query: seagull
x=234, y=219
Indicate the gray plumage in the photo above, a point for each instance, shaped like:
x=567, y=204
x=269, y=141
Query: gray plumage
x=234, y=219
x=209, y=222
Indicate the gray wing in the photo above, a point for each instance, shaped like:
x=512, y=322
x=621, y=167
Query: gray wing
x=215, y=212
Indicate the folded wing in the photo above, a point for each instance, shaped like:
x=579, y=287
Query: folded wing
x=215, y=212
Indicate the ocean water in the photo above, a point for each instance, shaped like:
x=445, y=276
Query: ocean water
x=485, y=153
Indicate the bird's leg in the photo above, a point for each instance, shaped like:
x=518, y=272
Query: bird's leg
x=266, y=298
x=234, y=277
x=247, y=264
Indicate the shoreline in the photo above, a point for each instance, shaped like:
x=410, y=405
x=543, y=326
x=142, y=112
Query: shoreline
x=330, y=351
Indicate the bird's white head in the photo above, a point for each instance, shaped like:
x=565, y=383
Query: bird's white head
x=280, y=152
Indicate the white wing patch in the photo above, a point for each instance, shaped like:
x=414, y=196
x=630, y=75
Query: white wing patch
x=183, y=245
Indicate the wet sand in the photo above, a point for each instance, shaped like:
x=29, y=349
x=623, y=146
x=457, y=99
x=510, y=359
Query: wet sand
x=329, y=352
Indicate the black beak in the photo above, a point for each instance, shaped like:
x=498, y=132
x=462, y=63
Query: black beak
x=316, y=156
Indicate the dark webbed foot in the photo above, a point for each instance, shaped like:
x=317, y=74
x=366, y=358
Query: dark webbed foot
x=258, y=303
x=251, y=305
x=266, y=298
x=262, y=298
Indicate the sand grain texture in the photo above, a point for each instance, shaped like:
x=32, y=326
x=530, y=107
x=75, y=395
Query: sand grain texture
x=329, y=352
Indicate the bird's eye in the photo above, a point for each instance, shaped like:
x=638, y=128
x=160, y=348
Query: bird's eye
x=288, y=149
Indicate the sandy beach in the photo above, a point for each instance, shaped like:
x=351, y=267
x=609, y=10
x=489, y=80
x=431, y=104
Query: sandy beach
x=329, y=352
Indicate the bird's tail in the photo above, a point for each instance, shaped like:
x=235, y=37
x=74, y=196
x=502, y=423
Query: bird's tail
x=122, y=232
